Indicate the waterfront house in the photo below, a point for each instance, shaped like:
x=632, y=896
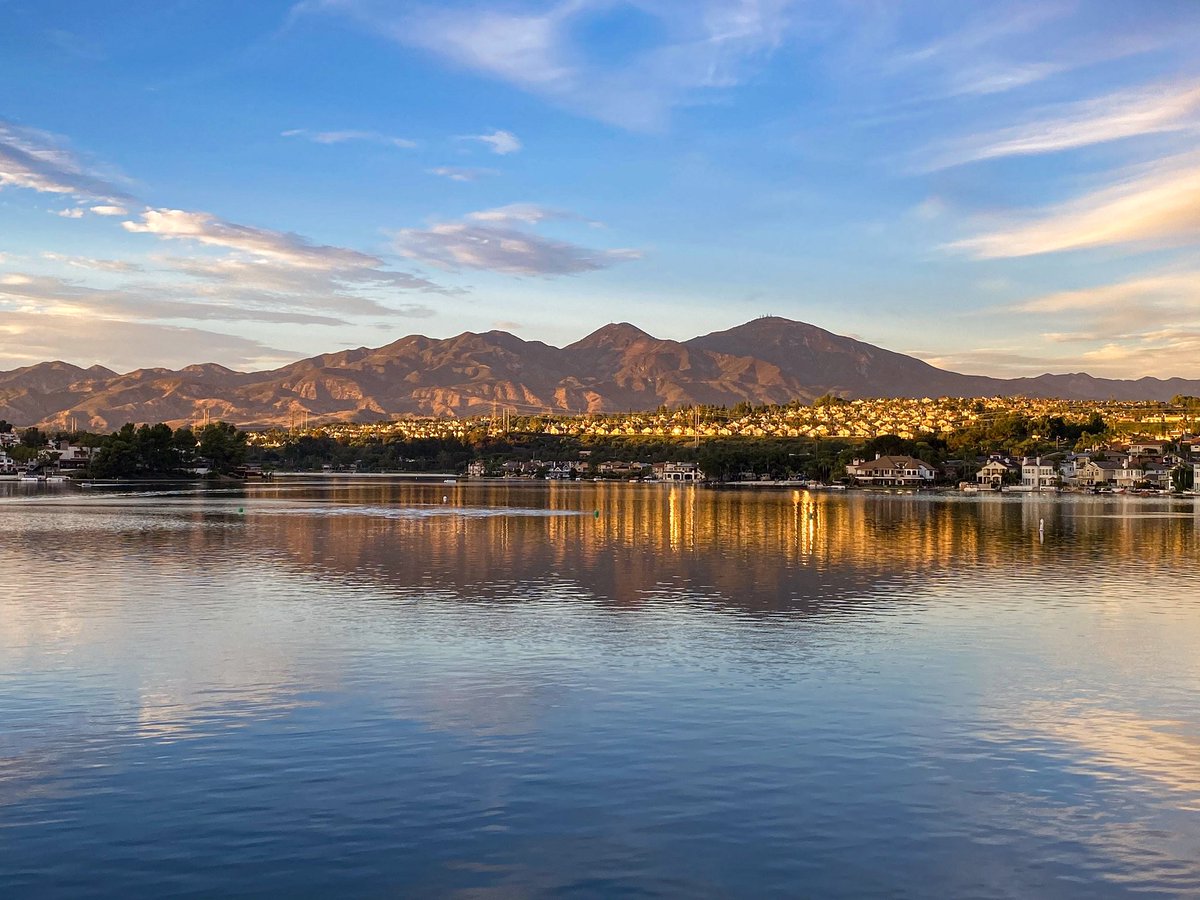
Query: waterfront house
x=994, y=472
x=684, y=472
x=892, y=471
x=7, y=465
x=1158, y=475
x=515, y=469
x=1039, y=474
x=476, y=468
x=1096, y=472
x=561, y=471
x=73, y=456
x=619, y=469
x=1132, y=471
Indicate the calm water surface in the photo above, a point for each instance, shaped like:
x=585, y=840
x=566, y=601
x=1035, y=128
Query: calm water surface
x=350, y=687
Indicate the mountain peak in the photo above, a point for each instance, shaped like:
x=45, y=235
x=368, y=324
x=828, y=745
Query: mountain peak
x=614, y=334
x=771, y=359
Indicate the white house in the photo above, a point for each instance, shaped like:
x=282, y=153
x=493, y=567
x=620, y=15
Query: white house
x=688, y=472
x=1037, y=475
x=892, y=471
x=7, y=466
x=1148, y=448
x=993, y=473
x=1131, y=472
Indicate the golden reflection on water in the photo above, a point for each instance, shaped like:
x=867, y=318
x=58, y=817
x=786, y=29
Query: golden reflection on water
x=756, y=548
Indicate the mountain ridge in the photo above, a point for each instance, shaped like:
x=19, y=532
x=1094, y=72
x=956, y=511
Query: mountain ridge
x=615, y=368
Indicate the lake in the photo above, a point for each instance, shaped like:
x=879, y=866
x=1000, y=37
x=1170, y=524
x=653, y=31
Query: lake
x=356, y=687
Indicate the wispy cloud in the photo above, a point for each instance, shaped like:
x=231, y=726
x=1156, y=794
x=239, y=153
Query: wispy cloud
x=56, y=296
x=72, y=213
x=1123, y=114
x=110, y=210
x=97, y=265
x=1001, y=48
x=1159, y=204
x=264, y=283
x=457, y=173
x=342, y=137
x=500, y=142
x=39, y=161
x=205, y=228
x=1144, y=325
x=1143, y=297
x=272, y=269
x=31, y=337
x=503, y=240
x=706, y=46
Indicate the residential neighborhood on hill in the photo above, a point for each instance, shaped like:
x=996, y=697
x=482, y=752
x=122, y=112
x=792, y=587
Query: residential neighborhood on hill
x=974, y=444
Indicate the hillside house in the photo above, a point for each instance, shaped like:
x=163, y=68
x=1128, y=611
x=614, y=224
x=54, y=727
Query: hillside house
x=1147, y=448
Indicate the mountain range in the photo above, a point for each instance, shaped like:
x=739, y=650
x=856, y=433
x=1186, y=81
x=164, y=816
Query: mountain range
x=616, y=368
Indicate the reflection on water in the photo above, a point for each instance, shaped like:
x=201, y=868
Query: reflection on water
x=534, y=690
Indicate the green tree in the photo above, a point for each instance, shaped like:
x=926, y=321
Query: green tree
x=33, y=437
x=222, y=445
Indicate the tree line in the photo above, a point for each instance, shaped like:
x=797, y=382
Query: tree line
x=141, y=451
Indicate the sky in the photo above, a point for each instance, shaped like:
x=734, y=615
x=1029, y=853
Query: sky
x=997, y=188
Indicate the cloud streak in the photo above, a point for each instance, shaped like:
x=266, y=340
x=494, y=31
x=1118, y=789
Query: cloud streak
x=38, y=161
x=503, y=240
x=1145, y=325
x=342, y=137
x=55, y=296
x=1158, y=204
x=706, y=47
x=27, y=338
x=1117, y=116
x=456, y=173
x=501, y=143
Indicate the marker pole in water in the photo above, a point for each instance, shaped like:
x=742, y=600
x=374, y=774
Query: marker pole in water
x=1042, y=530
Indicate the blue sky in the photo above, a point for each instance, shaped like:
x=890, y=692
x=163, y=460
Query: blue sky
x=1000, y=188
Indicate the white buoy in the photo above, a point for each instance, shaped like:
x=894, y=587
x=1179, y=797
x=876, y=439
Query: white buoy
x=445, y=499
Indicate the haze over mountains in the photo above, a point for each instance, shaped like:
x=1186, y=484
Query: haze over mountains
x=617, y=368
